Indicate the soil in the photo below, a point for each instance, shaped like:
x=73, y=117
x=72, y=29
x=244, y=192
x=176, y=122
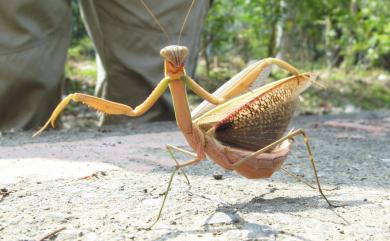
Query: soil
x=108, y=183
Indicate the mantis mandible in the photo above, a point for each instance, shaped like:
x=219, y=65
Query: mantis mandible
x=241, y=132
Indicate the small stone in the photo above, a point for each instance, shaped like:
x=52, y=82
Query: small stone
x=272, y=190
x=217, y=176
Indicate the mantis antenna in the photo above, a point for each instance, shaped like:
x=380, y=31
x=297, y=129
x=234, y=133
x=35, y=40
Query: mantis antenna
x=160, y=25
x=185, y=20
x=156, y=20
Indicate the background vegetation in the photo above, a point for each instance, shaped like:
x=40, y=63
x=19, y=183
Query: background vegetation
x=347, y=43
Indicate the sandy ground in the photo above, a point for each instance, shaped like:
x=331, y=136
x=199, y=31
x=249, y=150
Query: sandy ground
x=43, y=186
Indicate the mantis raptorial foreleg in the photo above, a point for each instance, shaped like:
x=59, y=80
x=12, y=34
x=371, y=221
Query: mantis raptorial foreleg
x=291, y=135
x=106, y=106
x=241, y=85
x=248, y=77
x=200, y=91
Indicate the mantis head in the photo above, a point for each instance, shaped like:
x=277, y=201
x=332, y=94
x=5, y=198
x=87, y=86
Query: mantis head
x=174, y=57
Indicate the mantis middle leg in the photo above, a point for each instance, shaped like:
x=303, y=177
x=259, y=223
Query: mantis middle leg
x=178, y=166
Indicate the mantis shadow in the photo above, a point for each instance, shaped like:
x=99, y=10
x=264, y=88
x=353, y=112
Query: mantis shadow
x=283, y=205
x=255, y=230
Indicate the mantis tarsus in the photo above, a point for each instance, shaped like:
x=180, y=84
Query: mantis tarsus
x=241, y=132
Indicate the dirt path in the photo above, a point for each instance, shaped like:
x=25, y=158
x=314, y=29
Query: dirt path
x=42, y=188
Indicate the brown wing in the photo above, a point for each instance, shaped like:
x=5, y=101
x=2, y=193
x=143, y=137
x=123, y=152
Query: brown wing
x=261, y=121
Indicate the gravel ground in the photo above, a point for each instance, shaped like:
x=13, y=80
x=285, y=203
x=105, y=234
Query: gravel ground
x=46, y=184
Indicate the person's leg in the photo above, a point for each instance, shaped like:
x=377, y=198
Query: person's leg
x=128, y=42
x=33, y=44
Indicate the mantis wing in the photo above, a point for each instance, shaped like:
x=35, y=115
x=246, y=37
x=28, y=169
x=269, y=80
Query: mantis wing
x=258, y=118
x=241, y=81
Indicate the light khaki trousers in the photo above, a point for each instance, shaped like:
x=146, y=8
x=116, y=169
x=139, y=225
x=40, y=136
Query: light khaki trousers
x=34, y=38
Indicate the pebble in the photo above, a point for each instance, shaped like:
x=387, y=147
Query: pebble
x=217, y=176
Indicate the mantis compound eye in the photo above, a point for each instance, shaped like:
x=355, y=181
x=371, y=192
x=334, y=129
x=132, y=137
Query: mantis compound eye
x=175, y=54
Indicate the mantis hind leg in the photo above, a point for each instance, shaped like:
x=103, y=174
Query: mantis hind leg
x=311, y=157
x=291, y=135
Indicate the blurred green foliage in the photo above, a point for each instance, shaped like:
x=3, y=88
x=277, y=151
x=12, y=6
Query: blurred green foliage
x=80, y=69
x=346, y=32
x=345, y=42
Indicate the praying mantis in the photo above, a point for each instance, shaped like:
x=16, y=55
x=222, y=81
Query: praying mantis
x=244, y=132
